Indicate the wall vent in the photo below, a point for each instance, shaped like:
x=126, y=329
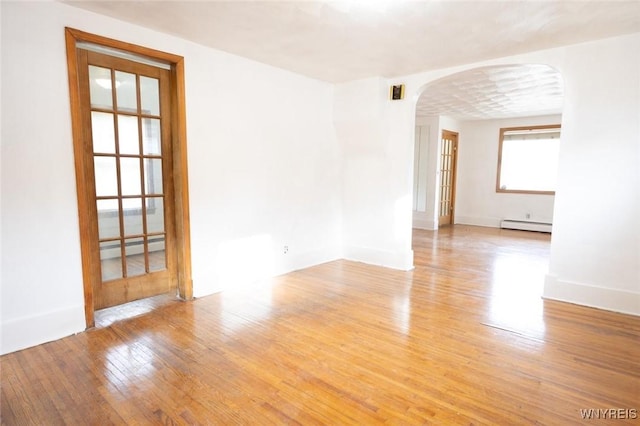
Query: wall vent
x=525, y=225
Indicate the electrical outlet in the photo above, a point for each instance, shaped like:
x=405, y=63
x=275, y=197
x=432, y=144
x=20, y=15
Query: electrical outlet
x=286, y=249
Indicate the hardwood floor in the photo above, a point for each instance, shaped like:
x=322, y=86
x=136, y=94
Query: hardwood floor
x=464, y=338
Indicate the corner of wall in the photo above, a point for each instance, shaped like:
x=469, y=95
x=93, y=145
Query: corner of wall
x=249, y=271
x=402, y=261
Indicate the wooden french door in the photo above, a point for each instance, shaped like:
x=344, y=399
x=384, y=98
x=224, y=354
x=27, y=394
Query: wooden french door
x=128, y=117
x=125, y=107
x=448, y=162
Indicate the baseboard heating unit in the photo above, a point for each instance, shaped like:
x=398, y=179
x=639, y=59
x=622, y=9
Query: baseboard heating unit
x=525, y=225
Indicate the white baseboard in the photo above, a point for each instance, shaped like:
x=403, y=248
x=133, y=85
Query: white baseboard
x=487, y=222
x=22, y=333
x=525, y=225
x=401, y=260
x=610, y=299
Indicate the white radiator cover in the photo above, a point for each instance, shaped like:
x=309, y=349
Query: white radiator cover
x=525, y=225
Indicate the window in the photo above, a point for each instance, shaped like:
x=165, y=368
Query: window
x=528, y=159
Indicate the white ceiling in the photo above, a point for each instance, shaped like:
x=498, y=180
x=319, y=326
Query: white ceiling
x=338, y=41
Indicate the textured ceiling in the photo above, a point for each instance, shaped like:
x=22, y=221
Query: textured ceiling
x=494, y=92
x=338, y=41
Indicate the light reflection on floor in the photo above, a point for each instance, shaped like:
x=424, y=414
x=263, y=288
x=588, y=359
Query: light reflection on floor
x=516, y=294
x=402, y=309
x=250, y=304
x=502, y=271
x=127, y=365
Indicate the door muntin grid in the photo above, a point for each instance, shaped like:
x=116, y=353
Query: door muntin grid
x=128, y=170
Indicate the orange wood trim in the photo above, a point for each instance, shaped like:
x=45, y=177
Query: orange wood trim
x=81, y=176
x=454, y=172
x=181, y=184
x=157, y=55
x=453, y=137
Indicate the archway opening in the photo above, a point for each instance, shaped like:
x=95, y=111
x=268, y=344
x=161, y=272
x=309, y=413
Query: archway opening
x=476, y=104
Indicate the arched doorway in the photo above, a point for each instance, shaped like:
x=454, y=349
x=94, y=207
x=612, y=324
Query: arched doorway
x=478, y=99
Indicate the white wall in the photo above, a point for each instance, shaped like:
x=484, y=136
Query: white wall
x=595, y=251
x=376, y=219
x=420, y=151
x=595, y=246
x=264, y=169
x=477, y=202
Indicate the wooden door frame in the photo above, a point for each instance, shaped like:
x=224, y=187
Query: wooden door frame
x=454, y=174
x=179, y=145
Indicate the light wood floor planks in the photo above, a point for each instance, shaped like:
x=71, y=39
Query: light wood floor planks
x=464, y=338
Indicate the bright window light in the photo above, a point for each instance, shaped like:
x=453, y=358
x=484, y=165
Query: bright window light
x=528, y=159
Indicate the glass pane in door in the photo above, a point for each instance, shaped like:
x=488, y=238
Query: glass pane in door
x=126, y=92
x=111, y=260
x=130, y=176
x=100, y=87
x=128, y=134
x=155, y=215
x=106, y=176
x=151, y=137
x=108, y=219
x=103, y=136
x=135, y=258
x=152, y=176
x=157, y=256
x=150, y=95
x=133, y=217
